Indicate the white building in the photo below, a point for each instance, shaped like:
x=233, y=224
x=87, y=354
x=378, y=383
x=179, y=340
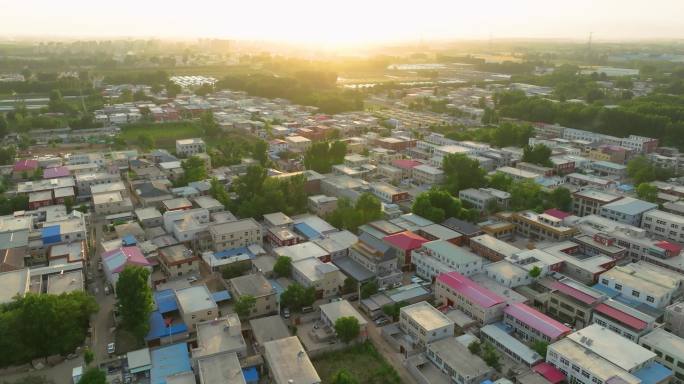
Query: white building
x=664, y=225
x=424, y=324
x=190, y=147
x=644, y=283
x=326, y=278
x=441, y=256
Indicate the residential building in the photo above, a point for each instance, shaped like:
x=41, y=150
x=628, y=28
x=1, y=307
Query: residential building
x=664, y=225
x=441, y=256
x=579, y=265
x=331, y=312
x=113, y=262
x=589, y=201
x=572, y=302
x=378, y=258
x=492, y=248
x=426, y=175
x=196, y=305
x=541, y=226
x=404, y=243
x=531, y=325
x=388, y=193
x=224, y=367
x=297, y=143
x=219, y=336
x=209, y=203
x=424, y=324
x=235, y=234
x=622, y=319
x=288, y=363
x=178, y=260
x=669, y=350
x=108, y=203
x=500, y=336
x=674, y=319
x=508, y=274
x=643, y=283
x=322, y=205
x=269, y=328
x=595, y=354
x=257, y=286
x=149, y=217
x=455, y=290
x=627, y=210
x=326, y=278
x=190, y=147
x=454, y=359
x=606, y=168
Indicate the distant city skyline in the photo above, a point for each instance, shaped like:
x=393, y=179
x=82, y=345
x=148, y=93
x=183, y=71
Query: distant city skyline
x=346, y=22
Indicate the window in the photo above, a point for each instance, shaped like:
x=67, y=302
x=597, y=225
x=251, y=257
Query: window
x=635, y=293
x=650, y=299
x=585, y=374
x=669, y=359
x=604, y=281
x=618, y=287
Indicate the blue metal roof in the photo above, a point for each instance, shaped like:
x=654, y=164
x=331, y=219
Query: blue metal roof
x=166, y=301
x=225, y=254
x=50, y=234
x=129, y=240
x=610, y=292
x=653, y=373
x=277, y=287
x=169, y=360
x=307, y=231
x=251, y=375
x=159, y=329
x=220, y=296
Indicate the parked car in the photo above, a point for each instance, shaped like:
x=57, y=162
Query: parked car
x=307, y=309
x=353, y=297
x=286, y=313
x=111, y=348
x=382, y=321
x=192, y=279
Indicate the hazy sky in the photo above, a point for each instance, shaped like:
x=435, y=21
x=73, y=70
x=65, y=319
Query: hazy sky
x=345, y=21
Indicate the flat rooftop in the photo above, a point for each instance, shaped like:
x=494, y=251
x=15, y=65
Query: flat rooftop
x=221, y=368
x=194, y=299
x=341, y=308
x=591, y=361
x=220, y=335
x=269, y=328
x=287, y=360
x=254, y=285
x=426, y=316
x=607, y=344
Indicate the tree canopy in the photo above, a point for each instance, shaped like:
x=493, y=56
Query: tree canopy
x=321, y=156
x=62, y=326
x=347, y=328
x=283, y=266
x=347, y=216
x=297, y=296
x=93, y=375
x=258, y=194
x=134, y=300
x=539, y=154
x=244, y=305
x=461, y=172
x=648, y=192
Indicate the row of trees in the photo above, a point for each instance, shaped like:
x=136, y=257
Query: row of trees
x=438, y=204
x=505, y=134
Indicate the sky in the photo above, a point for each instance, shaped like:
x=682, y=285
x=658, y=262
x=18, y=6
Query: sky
x=345, y=21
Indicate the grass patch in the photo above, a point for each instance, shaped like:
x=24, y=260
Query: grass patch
x=163, y=134
x=362, y=361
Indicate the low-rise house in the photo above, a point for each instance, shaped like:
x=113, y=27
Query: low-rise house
x=322, y=205
x=149, y=217
x=455, y=290
x=531, y=325
x=669, y=350
x=643, y=283
x=492, y=248
x=218, y=336
x=113, y=262
x=541, y=226
x=485, y=199
x=177, y=204
x=257, y=286
x=269, y=328
x=190, y=147
x=461, y=366
x=209, y=203
x=404, y=243
x=108, y=203
x=627, y=210
x=441, y=256
x=335, y=310
x=196, y=305
x=589, y=201
x=424, y=324
x=178, y=260
x=664, y=225
x=622, y=319
x=235, y=234
x=500, y=336
x=573, y=302
x=326, y=278
x=280, y=355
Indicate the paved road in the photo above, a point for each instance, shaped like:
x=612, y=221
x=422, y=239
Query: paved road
x=102, y=321
x=60, y=373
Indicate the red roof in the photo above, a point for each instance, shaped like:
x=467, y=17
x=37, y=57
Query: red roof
x=670, y=247
x=54, y=172
x=407, y=240
x=406, y=163
x=623, y=317
x=557, y=213
x=537, y=320
x=468, y=288
x=25, y=165
x=549, y=372
x=576, y=293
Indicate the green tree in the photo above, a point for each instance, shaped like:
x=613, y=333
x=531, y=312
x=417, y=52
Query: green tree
x=437, y=205
x=526, y=194
x=321, y=156
x=93, y=375
x=88, y=356
x=347, y=328
x=234, y=270
x=490, y=356
x=259, y=152
x=4, y=127
x=349, y=285
x=640, y=170
x=561, y=198
x=134, y=300
x=369, y=289
x=535, y=272
x=218, y=192
x=145, y=141
x=648, y=192
x=297, y=296
x=244, y=305
x=194, y=169
x=367, y=208
x=500, y=181
x=209, y=124
x=343, y=376
x=393, y=310
x=461, y=173
x=540, y=154
x=283, y=267
x=474, y=347
x=540, y=347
